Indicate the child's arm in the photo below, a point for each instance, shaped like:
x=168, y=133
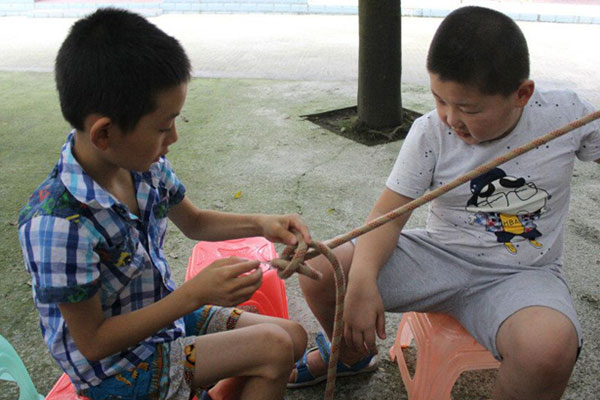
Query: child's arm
x=210, y=225
x=220, y=283
x=363, y=309
x=98, y=337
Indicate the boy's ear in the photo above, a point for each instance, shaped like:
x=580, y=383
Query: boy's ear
x=524, y=92
x=99, y=128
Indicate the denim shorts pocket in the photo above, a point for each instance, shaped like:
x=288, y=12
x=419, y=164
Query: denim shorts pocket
x=128, y=385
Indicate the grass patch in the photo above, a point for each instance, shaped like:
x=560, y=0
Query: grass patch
x=231, y=131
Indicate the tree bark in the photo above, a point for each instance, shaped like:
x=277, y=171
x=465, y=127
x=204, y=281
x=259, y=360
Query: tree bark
x=379, y=63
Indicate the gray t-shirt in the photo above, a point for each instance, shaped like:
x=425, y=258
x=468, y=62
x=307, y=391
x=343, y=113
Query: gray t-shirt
x=515, y=213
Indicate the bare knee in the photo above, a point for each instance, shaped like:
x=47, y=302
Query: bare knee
x=299, y=338
x=545, y=355
x=278, y=351
x=545, y=347
x=293, y=329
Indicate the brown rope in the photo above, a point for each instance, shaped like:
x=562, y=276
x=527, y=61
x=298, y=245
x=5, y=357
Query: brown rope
x=287, y=267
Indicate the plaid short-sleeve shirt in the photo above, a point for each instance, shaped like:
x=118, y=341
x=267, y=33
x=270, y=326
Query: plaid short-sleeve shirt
x=78, y=240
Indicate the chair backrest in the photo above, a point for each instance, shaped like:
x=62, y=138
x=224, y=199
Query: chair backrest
x=13, y=369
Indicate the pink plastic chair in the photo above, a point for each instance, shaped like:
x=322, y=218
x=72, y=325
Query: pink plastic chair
x=63, y=390
x=271, y=298
x=444, y=351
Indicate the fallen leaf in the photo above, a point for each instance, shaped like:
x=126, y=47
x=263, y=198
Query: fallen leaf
x=238, y=194
x=590, y=298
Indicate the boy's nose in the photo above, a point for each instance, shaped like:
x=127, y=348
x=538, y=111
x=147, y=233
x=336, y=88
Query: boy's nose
x=173, y=135
x=453, y=120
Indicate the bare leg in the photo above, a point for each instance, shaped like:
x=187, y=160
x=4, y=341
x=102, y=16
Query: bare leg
x=539, y=347
x=261, y=349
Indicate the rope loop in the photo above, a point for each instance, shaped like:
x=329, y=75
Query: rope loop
x=291, y=261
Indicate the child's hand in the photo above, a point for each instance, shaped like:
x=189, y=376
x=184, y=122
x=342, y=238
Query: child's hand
x=280, y=228
x=364, y=317
x=226, y=282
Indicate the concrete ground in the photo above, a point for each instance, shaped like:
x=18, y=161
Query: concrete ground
x=301, y=64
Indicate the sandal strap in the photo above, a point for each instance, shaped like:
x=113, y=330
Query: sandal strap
x=323, y=346
x=325, y=349
x=303, y=373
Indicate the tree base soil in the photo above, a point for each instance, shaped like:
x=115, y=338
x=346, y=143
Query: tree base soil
x=344, y=122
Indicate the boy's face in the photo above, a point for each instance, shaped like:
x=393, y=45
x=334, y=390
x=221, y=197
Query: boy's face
x=154, y=133
x=476, y=117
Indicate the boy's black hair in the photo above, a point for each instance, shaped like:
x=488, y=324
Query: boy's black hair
x=114, y=63
x=480, y=47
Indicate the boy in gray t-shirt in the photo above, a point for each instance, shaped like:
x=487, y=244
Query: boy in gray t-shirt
x=491, y=252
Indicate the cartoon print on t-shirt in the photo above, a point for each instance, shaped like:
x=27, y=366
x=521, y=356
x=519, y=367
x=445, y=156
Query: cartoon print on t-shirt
x=507, y=207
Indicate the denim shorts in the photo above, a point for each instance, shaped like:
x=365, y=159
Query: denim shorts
x=167, y=374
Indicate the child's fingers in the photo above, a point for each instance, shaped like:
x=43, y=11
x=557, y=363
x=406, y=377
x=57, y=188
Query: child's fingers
x=240, y=267
x=370, y=342
x=358, y=341
x=381, y=325
x=288, y=237
x=252, y=279
x=298, y=224
x=245, y=292
x=228, y=261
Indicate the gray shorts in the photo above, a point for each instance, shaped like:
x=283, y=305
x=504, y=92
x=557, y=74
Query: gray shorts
x=423, y=276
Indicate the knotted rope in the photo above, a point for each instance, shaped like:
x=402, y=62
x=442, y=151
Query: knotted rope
x=287, y=268
x=293, y=257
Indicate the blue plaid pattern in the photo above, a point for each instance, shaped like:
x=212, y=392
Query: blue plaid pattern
x=78, y=240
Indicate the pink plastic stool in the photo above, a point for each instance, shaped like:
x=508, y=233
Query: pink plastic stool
x=444, y=351
x=63, y=390
x=270, y=298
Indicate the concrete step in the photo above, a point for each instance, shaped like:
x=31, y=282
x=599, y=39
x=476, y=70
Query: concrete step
x=80, y=8
x=82, y=12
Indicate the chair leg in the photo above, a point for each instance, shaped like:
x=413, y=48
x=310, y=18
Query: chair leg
x=444, y=351
x=13, y=369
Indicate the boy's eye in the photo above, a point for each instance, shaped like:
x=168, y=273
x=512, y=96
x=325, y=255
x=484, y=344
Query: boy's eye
x=165, y=130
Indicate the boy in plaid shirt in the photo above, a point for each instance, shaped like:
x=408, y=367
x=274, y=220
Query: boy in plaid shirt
x=92, y=235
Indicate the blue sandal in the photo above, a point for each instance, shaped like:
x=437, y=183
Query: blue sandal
x=305, y=378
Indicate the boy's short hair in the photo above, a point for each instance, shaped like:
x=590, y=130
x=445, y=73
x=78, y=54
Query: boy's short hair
x=114, y=63
x=480, y=47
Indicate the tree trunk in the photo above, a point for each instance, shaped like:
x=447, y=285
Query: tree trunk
x=379, y=63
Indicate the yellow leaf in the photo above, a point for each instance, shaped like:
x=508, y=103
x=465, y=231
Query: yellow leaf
x=238, y=194
x=331, y=210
